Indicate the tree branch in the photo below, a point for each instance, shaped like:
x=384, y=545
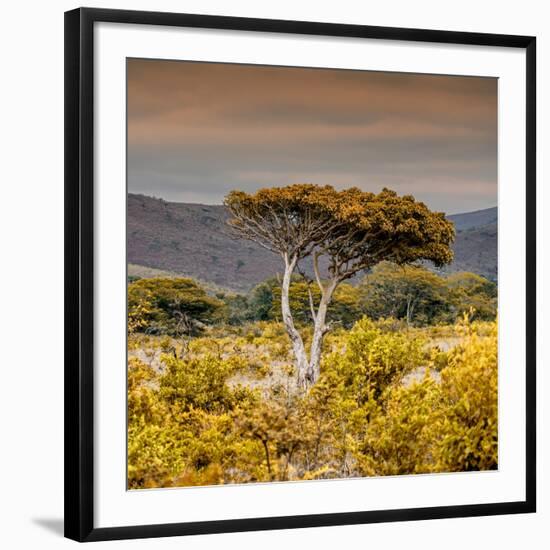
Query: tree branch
x=317, y=272
x=311, y=304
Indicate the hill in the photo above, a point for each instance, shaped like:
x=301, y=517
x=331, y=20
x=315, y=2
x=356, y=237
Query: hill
x=476, y=243
x=192, y=240
x=478, y=218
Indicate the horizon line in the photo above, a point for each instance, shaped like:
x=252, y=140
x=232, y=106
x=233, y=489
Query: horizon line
x=221, y=204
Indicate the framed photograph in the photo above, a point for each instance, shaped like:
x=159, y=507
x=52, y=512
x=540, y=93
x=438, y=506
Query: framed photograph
x=300, y=274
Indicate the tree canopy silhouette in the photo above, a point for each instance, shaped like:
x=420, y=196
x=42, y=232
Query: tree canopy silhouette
x=352, y=230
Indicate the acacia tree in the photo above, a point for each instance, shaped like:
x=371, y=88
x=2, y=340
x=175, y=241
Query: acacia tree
x=412, y=293
x=353, y=230
x=176, y=306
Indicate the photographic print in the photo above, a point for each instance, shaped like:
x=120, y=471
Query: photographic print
x=311, y=274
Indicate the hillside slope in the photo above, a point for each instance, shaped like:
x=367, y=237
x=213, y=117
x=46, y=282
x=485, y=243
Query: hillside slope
x=192, y=240
x=478, y=218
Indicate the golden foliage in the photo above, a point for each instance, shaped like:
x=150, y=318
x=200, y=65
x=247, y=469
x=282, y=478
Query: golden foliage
x=449, y=425
x=355, y=228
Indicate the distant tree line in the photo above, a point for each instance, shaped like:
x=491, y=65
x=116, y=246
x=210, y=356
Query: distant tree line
x=412, y=294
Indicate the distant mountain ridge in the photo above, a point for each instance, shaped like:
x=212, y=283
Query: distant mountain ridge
x=192, y=240
x=478, y=218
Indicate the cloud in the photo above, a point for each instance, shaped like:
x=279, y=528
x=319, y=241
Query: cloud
x=197, y=130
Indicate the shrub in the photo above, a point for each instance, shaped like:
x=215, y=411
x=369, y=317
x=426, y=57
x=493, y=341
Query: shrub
x=374, y=359
x=468, y=429
x=451, y=426
x=170, y=306
x=198, y=383
x=400, y=433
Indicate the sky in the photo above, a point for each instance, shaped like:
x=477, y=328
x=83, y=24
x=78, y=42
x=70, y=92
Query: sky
x=199, y=130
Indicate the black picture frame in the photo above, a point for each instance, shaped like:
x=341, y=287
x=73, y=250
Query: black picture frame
x=79, y=269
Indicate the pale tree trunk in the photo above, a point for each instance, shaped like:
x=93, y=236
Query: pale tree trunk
x=298, y=348
x=309, y=370
x=319, y=331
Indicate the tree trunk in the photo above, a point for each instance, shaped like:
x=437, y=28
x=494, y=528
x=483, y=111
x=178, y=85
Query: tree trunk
x=309, y=370
x=319, y=331
x=410, y=308
x=298, y=348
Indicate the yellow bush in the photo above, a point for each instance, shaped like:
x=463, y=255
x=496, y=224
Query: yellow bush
x=446, y=426
x=468, y=429
x=400, y=434
x=373, y=359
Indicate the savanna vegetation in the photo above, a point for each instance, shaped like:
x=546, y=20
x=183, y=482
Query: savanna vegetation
x=372, y=365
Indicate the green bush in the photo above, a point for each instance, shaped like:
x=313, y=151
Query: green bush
x=170, y=306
